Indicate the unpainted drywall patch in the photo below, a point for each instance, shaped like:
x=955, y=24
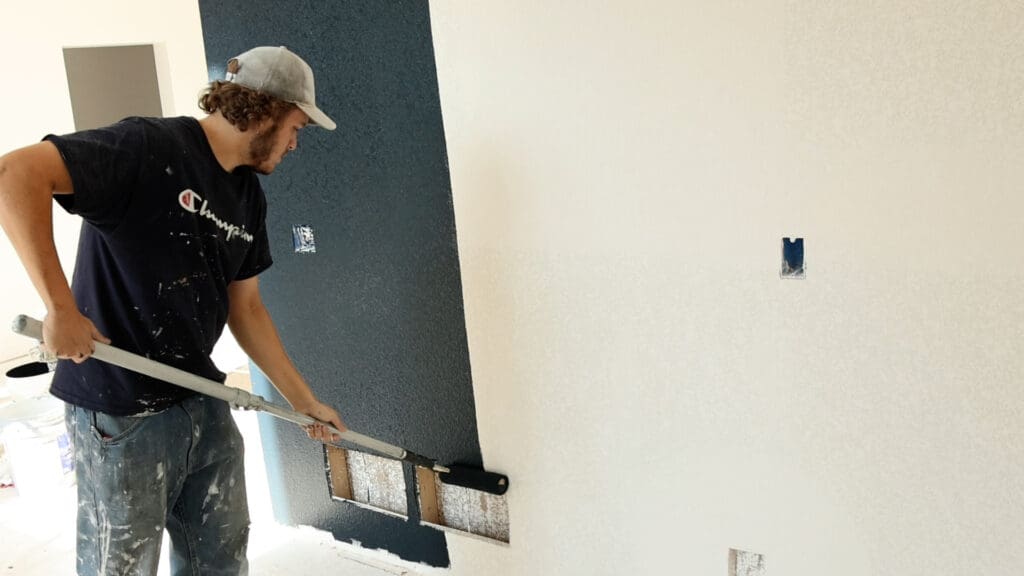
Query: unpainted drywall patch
x=461, y=510
x=369, y=481
x=744, y=563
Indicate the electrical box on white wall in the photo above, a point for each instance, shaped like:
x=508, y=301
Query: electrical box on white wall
x=792, y=258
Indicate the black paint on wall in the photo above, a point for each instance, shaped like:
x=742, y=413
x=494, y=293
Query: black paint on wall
x=374, y=317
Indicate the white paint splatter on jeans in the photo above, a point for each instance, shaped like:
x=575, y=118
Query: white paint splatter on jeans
x=193, y=453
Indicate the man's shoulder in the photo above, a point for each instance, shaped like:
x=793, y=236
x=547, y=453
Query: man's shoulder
x=173, y=126
x=169, y=136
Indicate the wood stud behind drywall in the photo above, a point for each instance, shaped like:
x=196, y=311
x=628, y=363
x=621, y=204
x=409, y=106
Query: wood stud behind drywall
x=461, y=510
x=378, y=484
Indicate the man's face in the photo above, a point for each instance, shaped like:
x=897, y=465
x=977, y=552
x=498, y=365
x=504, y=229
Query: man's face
x=274, y=141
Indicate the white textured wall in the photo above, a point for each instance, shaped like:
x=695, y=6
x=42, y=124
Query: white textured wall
x=623, y=174
x=35, y=100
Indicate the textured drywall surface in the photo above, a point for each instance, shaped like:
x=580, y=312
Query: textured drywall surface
x=374, y=317
x=622, y=176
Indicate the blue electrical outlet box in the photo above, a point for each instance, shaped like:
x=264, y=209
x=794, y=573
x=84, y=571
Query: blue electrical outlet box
x=792, y=258
x=303, y=240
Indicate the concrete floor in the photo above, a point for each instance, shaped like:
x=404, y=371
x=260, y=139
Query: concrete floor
x=38, y=534
x=39, y=540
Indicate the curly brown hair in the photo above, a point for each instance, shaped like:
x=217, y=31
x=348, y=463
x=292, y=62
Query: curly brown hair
x=242, y=106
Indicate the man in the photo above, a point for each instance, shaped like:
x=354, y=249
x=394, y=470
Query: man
x=172, y=242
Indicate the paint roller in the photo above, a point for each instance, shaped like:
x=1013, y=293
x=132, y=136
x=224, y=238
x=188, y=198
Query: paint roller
x=465, y=476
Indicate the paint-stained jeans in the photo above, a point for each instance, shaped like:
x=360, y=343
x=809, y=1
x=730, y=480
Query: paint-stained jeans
x=181, y=469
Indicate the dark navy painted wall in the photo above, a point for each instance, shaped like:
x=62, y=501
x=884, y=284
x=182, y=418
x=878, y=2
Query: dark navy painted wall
x=374, y=318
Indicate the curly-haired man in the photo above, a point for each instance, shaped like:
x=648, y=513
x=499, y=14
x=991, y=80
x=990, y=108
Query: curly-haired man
x=172, y=242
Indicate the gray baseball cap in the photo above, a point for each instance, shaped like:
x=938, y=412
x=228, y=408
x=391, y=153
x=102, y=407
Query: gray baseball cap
x=280, y=73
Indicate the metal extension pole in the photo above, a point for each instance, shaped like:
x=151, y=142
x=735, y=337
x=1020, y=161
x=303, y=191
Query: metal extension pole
x=239, y=399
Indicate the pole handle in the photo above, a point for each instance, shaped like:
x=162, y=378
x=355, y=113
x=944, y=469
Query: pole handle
x=32, y=328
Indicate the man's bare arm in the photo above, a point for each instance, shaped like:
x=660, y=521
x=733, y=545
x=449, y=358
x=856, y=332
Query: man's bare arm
x=29, y=177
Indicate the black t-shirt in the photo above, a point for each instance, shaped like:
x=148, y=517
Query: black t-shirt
x=165, y=231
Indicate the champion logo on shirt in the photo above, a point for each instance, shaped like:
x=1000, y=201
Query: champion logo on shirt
x=195, y=204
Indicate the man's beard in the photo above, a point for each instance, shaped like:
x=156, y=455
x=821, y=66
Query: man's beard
x=260, y=148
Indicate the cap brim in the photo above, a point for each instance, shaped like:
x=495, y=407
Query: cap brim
x=317, y=117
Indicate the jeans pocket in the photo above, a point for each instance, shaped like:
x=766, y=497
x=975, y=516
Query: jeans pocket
x=110, y=429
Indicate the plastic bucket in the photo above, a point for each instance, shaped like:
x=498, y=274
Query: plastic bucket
x=37, y=446
x=30, y=380
x=5, y=464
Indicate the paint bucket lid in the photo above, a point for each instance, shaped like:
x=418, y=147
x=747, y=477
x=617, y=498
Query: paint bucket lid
x=28, y=370
x=30, y=380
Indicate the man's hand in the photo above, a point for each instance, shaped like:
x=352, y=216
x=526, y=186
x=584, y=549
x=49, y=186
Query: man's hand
x=255, y=332
x=70, y=335
x=323, y=413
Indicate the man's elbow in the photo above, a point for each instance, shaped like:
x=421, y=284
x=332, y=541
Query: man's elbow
x=12, y=164
x=4, y=171
x=245, y=310
x=5, y=185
